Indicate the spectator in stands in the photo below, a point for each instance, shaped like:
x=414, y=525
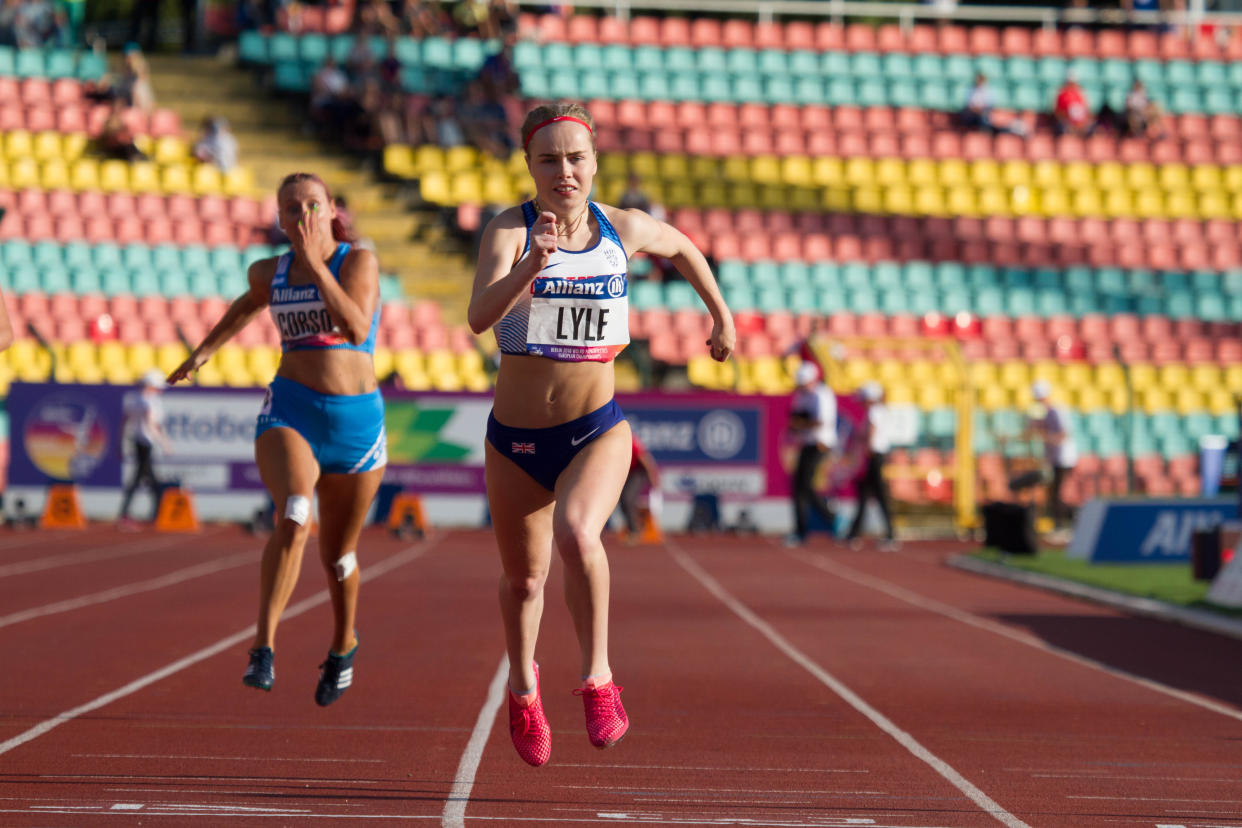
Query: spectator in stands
x=144, y=425
x=375, y=17
x=390, y=67
x=217, y=145
x=442, y=125
x=977, y=113
x=813, y=424
x=1143, y=117
x=485, y=122
x=360, y=62
x=423, y=18
x=872, y=484
x=634, y=197
x=116, y=138
x=644, y=475
x=498, y=74
x=329, y=93
x=1071, y=114
x=1052, y=425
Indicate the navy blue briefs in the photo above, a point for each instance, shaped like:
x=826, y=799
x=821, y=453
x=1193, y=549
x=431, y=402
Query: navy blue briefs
x=543, y=453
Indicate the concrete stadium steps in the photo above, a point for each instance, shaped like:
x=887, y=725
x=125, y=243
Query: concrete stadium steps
x=272, y=143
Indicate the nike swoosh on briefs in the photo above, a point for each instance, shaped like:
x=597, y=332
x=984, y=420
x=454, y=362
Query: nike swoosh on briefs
x=576, y=440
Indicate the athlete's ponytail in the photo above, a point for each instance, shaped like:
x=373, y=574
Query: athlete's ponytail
x=341, y=230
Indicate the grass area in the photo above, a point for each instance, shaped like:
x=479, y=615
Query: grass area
x=1168, y=582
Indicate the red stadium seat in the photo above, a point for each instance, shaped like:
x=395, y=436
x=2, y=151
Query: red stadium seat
x=952, y=39
x=922, y=38
x=828, y=36
x=769, y=35
x=613, y=30
x=644, y=31
x=1142, y=45
x=706, y=31
x=582, y=28
x=985, y=40
x=799, y=35
x=674, y=31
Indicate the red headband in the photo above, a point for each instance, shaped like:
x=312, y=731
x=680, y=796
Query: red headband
x=543, y=124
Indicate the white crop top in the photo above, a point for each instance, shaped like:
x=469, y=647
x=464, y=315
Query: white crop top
x=578, y=306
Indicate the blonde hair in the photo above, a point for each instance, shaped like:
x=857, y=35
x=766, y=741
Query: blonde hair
x=540, y=115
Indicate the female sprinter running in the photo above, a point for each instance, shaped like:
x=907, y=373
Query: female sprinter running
x=552, y=281
x=321, y=427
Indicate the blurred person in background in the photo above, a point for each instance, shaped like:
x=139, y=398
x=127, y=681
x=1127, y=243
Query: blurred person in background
x=813, y=425
x=217, y=146
x=116, y=138
x=1143, y=117
x=872, y=485
x=144, y=425
x=644, y=477
x=321, y=427
x=977, y=113
x=1071, y=113
x=558, y=447
x=1051, y=424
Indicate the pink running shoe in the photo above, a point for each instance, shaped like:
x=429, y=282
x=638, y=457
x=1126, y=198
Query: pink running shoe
x=529, y=729
x=606, y=721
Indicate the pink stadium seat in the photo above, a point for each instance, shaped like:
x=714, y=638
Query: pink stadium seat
x=674, y=31
x=582, y=28
x=158, y=230
x=705, y=31
x=952, y=39
x=36, y=91
x=128, y=229
x=889, y=37
x=150, y=205
x=164, y=122
x=922, y=38
x=1046, y=43
x=799, y=35
x=769, y=35
x=860, y=37
x=737, y=33
x=1174, y=47
x=613, y=30
x=828, y=36
x=984, y=40
x=1078, y=42
x=645, y=31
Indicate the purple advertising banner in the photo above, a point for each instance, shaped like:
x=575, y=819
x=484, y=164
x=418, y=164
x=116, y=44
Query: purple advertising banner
x=725, y=443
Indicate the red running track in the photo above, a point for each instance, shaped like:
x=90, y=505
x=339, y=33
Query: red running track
x=767, y=687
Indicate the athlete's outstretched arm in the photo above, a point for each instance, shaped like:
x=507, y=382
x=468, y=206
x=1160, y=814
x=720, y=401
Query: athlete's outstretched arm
x=498, y=282
x=239, y=314
x=641, y=232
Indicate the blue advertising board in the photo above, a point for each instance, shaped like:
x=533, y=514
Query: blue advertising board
x=1144, y=531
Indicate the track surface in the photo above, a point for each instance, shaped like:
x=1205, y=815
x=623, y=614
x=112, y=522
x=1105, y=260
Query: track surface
x=766, y=687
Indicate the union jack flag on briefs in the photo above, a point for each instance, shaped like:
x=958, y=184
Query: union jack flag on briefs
x=523, y=448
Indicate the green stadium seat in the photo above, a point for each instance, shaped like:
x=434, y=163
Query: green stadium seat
x=680, y=59
x=872, y=92
x=91, y=66
x=648, y=59
x=935, y=94
x=1179, y=73
x=409, y=52
x=77, y=254
x=747, y=89
x=1226, y=424
x=733, y=272
x=918, y=275
x=1149, y=304
x=16, y=253
x=714, y=87
x=904, y=92
x=438, y=54
x=928, y=66
x=710, y=59
x=29, y=63
x=740, y=298
x=47, y=254
x=595, y=85
x=469, y=54
x=107, y=254
x=646, y=295
x=804, y=62
x=1185, y=99
x=55, y=280
x=563, y=84
x=866, y=66
x=235, y=284
x=1212, y=307
x=174, y=283
x=8, y=61
x=896, y=66
x=863, y=300
x=1180, y=304
x=341, y=45
x=195, y=257
x=825, y=276
x=742, y=61
x=282, y=48
x=778, y=89
x=136, y=256
x=1230, y=281
x=770, y=299
x=840, y=92
x=617, y=57
x=1051, y=69
x=527, y=55
x=145, y=283
x=624, y=85
x=390, y=288
x=534, y=84
x=1139, y=281
x=1217, y=101
x=958, y=68
x=85, y=280
x=291, y=76
x=204, y=283
x=794, y=275
x=60, y=63
x=1050, y=302
x=115, y=282
x=1078, y=278
x=773, y=62
x=803, y=299
x=832, y=301
x=652, y=86
x=313, y=48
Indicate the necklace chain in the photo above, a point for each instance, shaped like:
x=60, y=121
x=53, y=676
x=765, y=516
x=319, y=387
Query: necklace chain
x=570, y=227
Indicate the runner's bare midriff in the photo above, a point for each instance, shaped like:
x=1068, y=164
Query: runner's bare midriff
x=536, y=392
x=330, y=371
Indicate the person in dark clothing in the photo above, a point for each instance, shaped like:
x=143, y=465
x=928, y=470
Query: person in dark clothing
x=813, y=422
x=872, y=483
x=143, y=419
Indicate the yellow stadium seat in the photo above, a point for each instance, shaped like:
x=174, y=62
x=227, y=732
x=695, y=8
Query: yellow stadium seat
x=1215, y=205
x=1117, y=400
x=711, y=194
x=960, y=201
x=900, y=394
x=466, y=187
x=888, y=371
x=1154, y=399
x=982, y=374
x=81, y=354
x=210, y=375
x=1188, y=400
x=1118, y=203
x=890, y=171
x=929, y=397
x=168, y=149
x=796, y=170
x=18, y=144
x=1141, y=176
x=1015, y=172
x=1090, y=398
x=1086, y=202
x=1013, y=375
x=1046, y=174
x=433, y=186
x=47, y=145
x=113, y=176
x=868, y=200
x=922, y=172
x=674, y=166
x=54, y=174
x=238, y=181
x=1173, y=376
x=1173, y=176
x=144, y=177
x=497, y=190
x=803, y=199
x=1181, y=204
x=704, y=168
x=460, y=158
x=1220, y=401
x=1143, y=376
x=1232, y=378
x=701, y=371
x=1054, y=201
x=1235, y=204
x=145, y=144
x=680, y=194
x=84, y=174
x=74, y=145
x=994, y=201
x=1206, y=377
x=1231, y=177
x=929, y=201
x=1206, y=177
x=206, y=180
x=765, y=169
x=985, y=173
x=140, y=357
x=611, y=164
x=827, y=171
x=1149, y=203
x=430, y=158
x=860, y=171
x=741, y=194
x=170, y=355
x=1110, y=175
x=839, y=199
x=1077, y=375
x=735, y=168
x=399, y=160
x=120, y=374
x=111, y=354
x=381, y=359
x=766, y=374
x=898, y=200
x=1109, y=375
x=645, y=164
x=175, y=178
x=953, y=172
x=1078, y=174
x=773, y=197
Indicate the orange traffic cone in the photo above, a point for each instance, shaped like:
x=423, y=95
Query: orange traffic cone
x=63, y=509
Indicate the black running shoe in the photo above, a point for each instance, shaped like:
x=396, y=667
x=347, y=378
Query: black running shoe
x=262, y=670
x=335, y=676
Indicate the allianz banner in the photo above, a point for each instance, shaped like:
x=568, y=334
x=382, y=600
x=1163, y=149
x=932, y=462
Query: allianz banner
x=1144, y=531
x=727, y=443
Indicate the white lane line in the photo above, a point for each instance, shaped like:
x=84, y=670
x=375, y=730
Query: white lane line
x=973, y=793
x=137, y=588
x=454, y=814
x=371, y=572
x=220, y=758
x=712, y=768
x=931, y=605
x=119, y=550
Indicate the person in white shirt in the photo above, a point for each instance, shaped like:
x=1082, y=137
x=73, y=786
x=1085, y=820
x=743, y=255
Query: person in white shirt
x=871, y=484
x=1051, y=423
x=144, y=417
x=813, y=423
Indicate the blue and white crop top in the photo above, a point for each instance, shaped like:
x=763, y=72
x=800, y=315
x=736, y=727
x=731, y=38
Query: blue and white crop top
x=578, y=306
x=301, y=316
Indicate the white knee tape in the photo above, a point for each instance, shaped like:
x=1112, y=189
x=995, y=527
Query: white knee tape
x=346, y=565
x=297, y=509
